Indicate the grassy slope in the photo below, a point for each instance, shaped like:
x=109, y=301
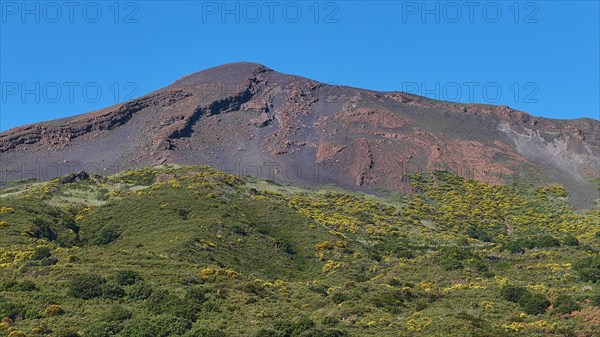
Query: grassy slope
x=283, y=259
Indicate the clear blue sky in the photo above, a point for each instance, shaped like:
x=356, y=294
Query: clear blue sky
x=542, y=56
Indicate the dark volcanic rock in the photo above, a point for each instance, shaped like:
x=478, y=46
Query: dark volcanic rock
x=74, y=177
x=248, y=119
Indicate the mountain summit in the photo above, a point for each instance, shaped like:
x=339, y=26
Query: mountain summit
x=249, y=119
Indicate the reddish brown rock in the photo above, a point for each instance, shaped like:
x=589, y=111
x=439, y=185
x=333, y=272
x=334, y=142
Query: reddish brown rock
x=249, y=119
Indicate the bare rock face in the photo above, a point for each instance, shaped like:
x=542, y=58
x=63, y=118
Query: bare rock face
x=248, y=119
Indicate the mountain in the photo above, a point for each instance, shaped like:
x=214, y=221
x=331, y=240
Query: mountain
x=246, y=118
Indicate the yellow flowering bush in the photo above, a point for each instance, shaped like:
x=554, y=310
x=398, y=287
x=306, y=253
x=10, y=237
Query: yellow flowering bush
x=53, y=310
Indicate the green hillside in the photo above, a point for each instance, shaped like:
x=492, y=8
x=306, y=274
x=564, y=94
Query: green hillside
x=190, y=251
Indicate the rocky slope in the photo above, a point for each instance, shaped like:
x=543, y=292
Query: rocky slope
x=249, y=119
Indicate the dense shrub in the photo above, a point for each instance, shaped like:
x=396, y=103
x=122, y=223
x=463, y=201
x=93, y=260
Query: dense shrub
x=10, y=309
x=41, y=253
x=338, y=297
x=565, y=304
x=205, y=332
x=546, y=241
x=390, y=299
x=519, y=245
x=107, y=234
x=331, y=333
x=303, y=327
x=452, y=258
x=168, y=325
x=513, y=293
x=395, y=247
x=14, y=285
x=160, y=326
x=69, y=332
x=588, y=269
x=42, y=229
x=262, y=333
x=595, y=299
x=570, y=240
x=140, y=291
x=286, y=246
x=117, y=313
x=102, y=329
x=329, y=320
x=534, y=304
x=479, y=233
x=86, y=286
x=479, y=265
x=127, y=277
x=196, y=295
x=162, y=302
x=112, y=291
x=140, y=328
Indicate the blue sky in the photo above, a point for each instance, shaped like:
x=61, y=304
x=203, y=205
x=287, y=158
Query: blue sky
x=59, y=58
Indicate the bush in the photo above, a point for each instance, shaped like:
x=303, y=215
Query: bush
x=112, y=291
x=534, y=304
x=86, y=286
x=338, y=297
x=41, y=253
x=392, y=300
x=329, y=320
x=564, y=304
x=107, y=234
x=14, y=285
x=546, y=241
x=588, y=269
x=162, y=302
x=140, y=291
x=127, y=277
x=479, y=233
x=53, y=310
x=42, y=229
x=102, y=194
x=102, y=329
x=570, y=240
x=168, y=325
x=68, y=333
x=513, y=293
x=17, y=333
x=518, y=245
x=260, y=333
x=595, y=299
x=480, y=266
x=332, y=333
x=117, y=313
x=196, y=295
x=452, y=257
x=10, y=309
x=140, y=328
x=303, y=324
x=205, y=332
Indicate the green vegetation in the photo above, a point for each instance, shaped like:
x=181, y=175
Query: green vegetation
x=191, y=251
